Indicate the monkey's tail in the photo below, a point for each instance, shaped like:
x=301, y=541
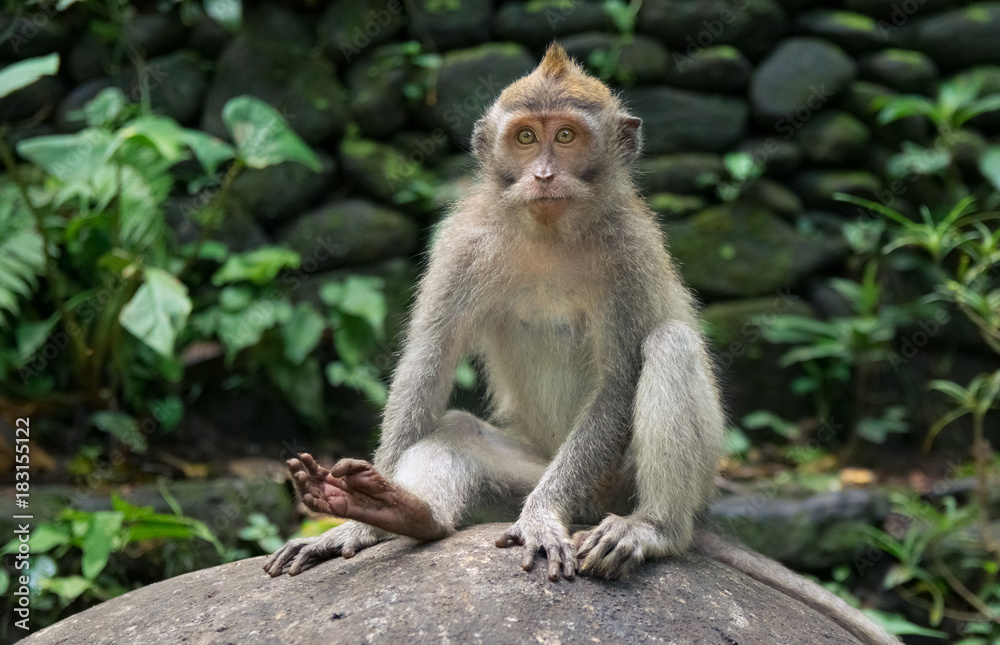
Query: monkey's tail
x=779, y=577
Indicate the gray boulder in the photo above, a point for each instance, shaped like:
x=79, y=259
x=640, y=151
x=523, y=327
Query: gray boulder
x=683, y=121
x=754, y=26
x=722, y=68
x=960, y=38
x=452, y=24
x=833, y=137
x=744, y=250
x=680, y=173
x=537, y=25
x=461, y=590
x=300, y=85
x=352, y=231
x=799, y=77
x=901, y=69
x=854, y=32
x=469, y=81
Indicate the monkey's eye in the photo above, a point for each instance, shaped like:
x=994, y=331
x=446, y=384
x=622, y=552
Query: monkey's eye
x=525, y=136
x=565, y=135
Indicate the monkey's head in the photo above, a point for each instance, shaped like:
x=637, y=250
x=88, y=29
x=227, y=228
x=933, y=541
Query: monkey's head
x=555, y=137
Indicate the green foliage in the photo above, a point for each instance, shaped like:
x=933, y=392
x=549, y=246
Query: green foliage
x=72, y=555
x=958, y=100
x=25, y=72
x=86, y=219
x=262, y=532
x=742, y=172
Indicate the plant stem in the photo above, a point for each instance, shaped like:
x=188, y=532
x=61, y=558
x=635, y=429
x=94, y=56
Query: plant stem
x=51, y=273
x=212, y=223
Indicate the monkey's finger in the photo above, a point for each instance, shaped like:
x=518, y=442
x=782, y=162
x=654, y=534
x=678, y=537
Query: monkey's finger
x=555, y=562
x=509, y=537
x=310, y=464
x=293, y=464
x=569, y=564
x=346, y=467
x=347, y=551
x=528, y=561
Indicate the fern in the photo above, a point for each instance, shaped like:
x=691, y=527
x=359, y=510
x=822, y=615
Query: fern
x=22, y=257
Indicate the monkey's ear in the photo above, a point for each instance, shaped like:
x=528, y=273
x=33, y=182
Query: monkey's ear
x=478, y=142
x=630, y=133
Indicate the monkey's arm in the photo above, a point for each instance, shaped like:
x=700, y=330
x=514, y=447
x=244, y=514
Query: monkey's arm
x=436, y=340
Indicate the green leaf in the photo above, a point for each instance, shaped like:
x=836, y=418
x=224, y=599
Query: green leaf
x=899, y=625
x=122, y=427
x=157, y=312
x=104, y=108
x=360, y=296
x=766, y=419
x=302, y=387
x=737, y=441
x=71, y=157
x=899, y=107
x=163, y=133
x=302, y=332
x=259, y=266
x=228, y=13
x=99, y=542
x=989, y=165
x=68, y=588
x=363, y=378
x=31, y=335
x=24, y=73
x=210, y=151
x=263, y=137
x=47, y=536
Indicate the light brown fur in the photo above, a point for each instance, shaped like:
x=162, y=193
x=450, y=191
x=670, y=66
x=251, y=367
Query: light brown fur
x=605, y=411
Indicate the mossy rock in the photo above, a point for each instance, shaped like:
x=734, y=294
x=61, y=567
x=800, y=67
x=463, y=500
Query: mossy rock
x=382, y=171
x=743, y=250
x=451, y=23
x=348, y=28
x=176, y=85
x=901, y=69
x=469, y=80
x=296, y=82
x=778, y=155
x=538, y=23
x=854, y=32
x=276, y=194
x=833, y=137
x=673, y=206
x=690, y=25
x=721, y=68
x=817, y=187
x=683, y=121
x=959, y=38
x=798, y=78
x=375, y=85
x=352, y=231
x=686, y=173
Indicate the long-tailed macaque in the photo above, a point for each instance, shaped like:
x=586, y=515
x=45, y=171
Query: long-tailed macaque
x=605, y=411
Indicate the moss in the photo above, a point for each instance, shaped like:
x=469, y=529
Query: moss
x=853, y=21
x=905, y=56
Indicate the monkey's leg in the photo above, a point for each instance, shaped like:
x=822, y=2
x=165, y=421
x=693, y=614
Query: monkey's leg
x=355, y=490
x=677, y=434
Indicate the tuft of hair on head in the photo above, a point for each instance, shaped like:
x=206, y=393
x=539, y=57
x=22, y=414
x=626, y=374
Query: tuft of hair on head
x=556, y=61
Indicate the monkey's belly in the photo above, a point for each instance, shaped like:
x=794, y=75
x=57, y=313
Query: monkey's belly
x=540, y=374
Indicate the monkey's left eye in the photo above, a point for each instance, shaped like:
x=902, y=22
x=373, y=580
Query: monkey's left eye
x=565, y=135
x=525, y=136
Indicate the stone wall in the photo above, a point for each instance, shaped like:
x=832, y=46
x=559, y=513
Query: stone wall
x=788, y=81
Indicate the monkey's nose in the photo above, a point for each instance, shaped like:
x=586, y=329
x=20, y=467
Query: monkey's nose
x=544, y=174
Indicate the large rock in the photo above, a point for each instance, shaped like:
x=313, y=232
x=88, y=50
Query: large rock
x=833, y=137
x=376, y=90
x=299, y=84
x=469, y=81
x=452, y=24
x=722, y=68
x=901, y=69
x=956, y=39
x=754, y=26
x=275, y=194
x=642, y=60
x=348, y=28
x=683, y=121
x=743, y=250
x=799, y=78
x=175, y=83
x=537, y=24
x=680, y=173
x=352, y=231
x=460, y=590
x=852, y=31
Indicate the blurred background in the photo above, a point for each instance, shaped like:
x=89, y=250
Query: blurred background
x=212, y=215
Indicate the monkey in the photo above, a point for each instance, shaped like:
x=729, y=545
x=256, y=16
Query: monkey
x=604, y=406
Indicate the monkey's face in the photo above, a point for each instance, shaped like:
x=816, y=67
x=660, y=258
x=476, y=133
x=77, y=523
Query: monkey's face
x=547, y=168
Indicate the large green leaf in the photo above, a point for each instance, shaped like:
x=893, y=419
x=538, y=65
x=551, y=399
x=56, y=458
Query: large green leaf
x=360, y=296
x=161, y=132
x=302, y=333
x=99, y=542
x=263, y=137
x=989, y=165
x=24, y=73
x=158, y=311
x=71, y=157
x=210, y=151
x=258, y=266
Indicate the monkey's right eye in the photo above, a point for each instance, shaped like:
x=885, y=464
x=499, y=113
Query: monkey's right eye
x=525, y=136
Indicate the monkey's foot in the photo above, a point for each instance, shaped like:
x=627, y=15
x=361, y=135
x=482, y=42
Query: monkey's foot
x=353, y=489
x=615, y=547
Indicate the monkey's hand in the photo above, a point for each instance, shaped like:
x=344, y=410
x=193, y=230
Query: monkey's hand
x=542, y=530
x=303, y=553
x=618, y=545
